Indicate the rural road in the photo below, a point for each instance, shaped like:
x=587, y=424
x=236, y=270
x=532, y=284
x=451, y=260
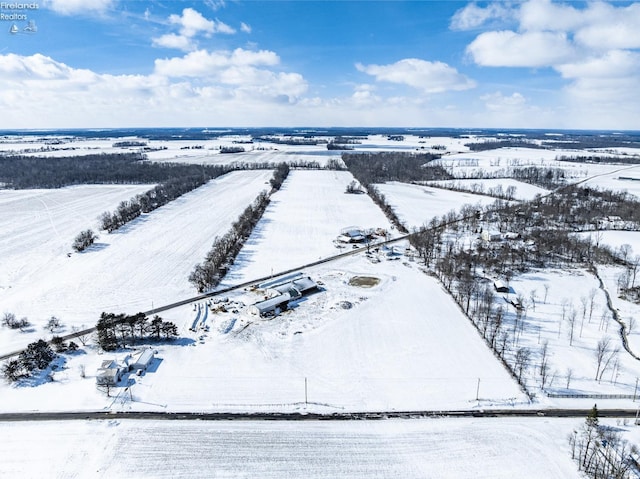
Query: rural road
x=222, y=416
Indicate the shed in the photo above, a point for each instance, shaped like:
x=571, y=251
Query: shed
x=142, y=359
x=500, y=287
x=271, y=306
x=296, y=287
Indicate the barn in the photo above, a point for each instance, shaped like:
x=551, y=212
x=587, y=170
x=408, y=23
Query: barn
x=271, y=306
x=296, y=287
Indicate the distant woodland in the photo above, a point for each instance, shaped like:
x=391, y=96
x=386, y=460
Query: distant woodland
x=22, y=172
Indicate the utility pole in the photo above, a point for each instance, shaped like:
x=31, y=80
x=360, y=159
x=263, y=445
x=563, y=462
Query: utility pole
x=478, y=390
x=306, y=402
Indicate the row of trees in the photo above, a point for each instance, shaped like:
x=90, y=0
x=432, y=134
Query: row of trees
x=37, y=356
x=209, y=273
x=116, y=330
x=146, y=202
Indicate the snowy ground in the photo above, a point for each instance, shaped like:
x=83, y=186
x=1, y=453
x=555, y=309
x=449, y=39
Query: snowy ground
x=146, y=262
x=566, y=297
x=39, y=226
x=523, y=191
x=478, y=163
x=416, y=205
x=429, y=448
x=627, y=179
x=302, y=221
x=401, y=344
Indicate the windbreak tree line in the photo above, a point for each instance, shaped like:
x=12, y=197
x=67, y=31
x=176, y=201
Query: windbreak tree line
x=115, y=330
x=209, y=273
x=150, y=200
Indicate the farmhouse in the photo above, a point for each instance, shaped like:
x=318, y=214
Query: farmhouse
x=109, y=373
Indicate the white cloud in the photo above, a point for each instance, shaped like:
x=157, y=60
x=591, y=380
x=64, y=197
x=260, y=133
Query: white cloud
x=498, y=102
x=74, y=7
x=430, y=77
x=191, y=24
x=54, y=94
x=171, y=40
x=245, y=28
x=202, y=63
x=511, y=49
x=473, y=16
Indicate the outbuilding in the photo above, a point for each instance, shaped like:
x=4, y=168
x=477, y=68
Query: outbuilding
x=270, y=306
x=142, y=359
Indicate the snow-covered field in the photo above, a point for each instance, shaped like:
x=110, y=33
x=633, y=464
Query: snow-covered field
x=302, y=221
x=415, y=205
x=39, y=226
x=522, y=191
x=496, y=162
x=429, y=448
x=401, y=344
x=625, y=179
x=145, y=263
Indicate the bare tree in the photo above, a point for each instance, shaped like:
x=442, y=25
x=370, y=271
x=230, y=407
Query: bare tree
x=592, y=299
x=546, y=292
x=604, y=354
x=572, y=322
x=569, y=375
x=523, y=356
x=533, y=296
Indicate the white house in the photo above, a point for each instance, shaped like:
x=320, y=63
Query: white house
x=109, y=373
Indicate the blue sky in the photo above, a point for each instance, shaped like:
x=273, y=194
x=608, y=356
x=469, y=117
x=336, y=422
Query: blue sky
x=137, y=63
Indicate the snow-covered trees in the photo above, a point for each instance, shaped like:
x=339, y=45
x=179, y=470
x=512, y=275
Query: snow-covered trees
x=84, y=240
x=37, y=356
x=114, y=330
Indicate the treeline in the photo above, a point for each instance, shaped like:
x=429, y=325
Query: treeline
x=22, y=172
x=386, y=166
x=631, y=160
x=380, y=200
x=116, y=330
x=208, y=274
x=150, y=200
x=510, y=143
